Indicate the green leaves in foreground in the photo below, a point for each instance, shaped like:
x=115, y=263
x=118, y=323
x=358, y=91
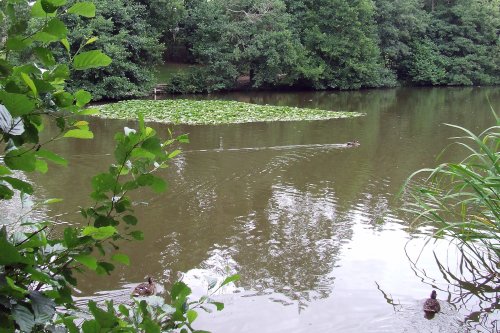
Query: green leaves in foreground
x=91, y=59
x=193, y=112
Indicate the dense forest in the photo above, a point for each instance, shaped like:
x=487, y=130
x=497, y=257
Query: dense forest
x=311, y=44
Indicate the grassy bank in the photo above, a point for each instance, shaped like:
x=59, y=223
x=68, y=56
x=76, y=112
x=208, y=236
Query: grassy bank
x=182, y=111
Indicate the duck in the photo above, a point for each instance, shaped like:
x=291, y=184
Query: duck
x=354, y=143
x=145, y=288
x=431, y=305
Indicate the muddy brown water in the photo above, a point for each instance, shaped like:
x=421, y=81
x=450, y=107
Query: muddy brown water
x=313, y=228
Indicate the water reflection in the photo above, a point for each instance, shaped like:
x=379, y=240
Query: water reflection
x=307, y=223
x=470, y=287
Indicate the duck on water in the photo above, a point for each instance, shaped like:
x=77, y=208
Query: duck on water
x=145, y=288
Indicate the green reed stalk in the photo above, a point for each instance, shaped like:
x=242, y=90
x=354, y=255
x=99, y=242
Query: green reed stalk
x=462, y=201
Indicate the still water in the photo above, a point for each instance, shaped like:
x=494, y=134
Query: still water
x=314, y=229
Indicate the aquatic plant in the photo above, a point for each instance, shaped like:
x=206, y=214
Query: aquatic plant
x=205, y=112
x=461, y=201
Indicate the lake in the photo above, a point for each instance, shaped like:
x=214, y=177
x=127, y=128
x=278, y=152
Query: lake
x=314, y=228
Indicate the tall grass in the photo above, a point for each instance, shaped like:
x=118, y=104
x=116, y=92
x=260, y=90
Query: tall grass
x=462, y=202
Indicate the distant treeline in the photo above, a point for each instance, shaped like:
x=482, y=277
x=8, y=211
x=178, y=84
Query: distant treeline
x=317, y=44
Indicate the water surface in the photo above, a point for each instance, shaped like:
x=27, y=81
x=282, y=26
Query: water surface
x=313, y=228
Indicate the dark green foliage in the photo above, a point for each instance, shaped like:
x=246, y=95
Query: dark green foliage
x=123, y=32
x=341, y=39
x=425, y=65
x=251, y=38
x=466, y=33
x=401, y=25
x=339, y=44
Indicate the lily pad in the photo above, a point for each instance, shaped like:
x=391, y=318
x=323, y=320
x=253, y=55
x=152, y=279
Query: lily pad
x=214, y=112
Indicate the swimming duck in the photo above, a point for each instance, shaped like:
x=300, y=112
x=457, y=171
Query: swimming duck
x=145, y=288
x=354, y=143
x=431, y=305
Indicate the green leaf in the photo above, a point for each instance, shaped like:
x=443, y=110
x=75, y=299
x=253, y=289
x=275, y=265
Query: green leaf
x=57, y=28
x=82, y=124
x=21, y=159
x=230, y=279
x=103, y=182
x=91, y=40
x=5, y=192
x=29, y=82
x=106, y=320
x=44, y=308
x=23, y=317
x=41, y=166
x=121, y=258
x=105, y=268
x=16, y=43
x=70, y=325
x=71, y=237
x=85, y=9
x=4, y=171
x=218, y=305
x=183, y=138
x=45, y=56
x=14, y=287
x=17, y=104
x=5, y=67
x=65, y=43
x=157, y=184
x=104, y=221
x=130, y=219
x=191, y=315
x=37, y=275
x=44, y=37
x=150, y=326
x=82, y=97
x=60, y=72
x=123, y=310
x=91, y=326
x=141, y=153
x=50, y=6
x=179, y=291
x=153, y=145
x=63, y=98
x=91, y=59
x=53, y=157
x=37, y=10
x=79, y=134
x=18, y=184
x=52, y=201
x=99, y=233
x=87, y=260
x=174, y=153
x=137, y=235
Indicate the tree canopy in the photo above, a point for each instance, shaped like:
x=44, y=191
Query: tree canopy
x=334, y=44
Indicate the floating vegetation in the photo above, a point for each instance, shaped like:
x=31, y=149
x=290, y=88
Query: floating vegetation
x=213, y=112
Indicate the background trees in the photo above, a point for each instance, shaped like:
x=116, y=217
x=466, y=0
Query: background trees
x=123, y=31
x=466, y=33
x=341, y=41
x=243, y=37
x=335, y=44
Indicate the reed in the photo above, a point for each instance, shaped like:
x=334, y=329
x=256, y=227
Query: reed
x=461, y=201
